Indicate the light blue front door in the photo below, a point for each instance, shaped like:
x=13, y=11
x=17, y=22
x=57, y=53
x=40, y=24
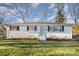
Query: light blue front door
x=42, y=33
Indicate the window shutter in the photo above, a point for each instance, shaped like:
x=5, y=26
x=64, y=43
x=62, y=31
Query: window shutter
x=48, y=28
x=27, y=28
x=18, y=28
x=10, y=28
x=35, y=28
x=62, y=28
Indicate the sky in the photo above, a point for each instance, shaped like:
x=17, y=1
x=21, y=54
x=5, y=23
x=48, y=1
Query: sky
x=36, y=14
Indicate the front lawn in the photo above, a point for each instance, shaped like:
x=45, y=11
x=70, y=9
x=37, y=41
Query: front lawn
x=38, y=48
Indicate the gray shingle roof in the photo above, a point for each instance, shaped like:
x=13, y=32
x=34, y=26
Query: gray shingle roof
x=39, y=23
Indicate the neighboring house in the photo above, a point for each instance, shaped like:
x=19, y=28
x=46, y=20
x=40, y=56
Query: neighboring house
x=40, y=30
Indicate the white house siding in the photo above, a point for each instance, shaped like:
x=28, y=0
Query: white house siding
x=22, y=34
x=67, y=34
x=68, y=29
x=7, y=32
x=59, y=35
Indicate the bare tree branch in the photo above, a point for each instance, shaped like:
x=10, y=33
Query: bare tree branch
x=74, y=11
x=22, y=11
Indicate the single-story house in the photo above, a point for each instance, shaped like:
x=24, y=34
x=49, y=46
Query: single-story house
x=40, y=30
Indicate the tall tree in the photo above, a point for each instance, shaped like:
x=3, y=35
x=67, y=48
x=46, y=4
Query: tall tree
x=2, y=16
x=60, y=18
x=2, y=22
x=73, y=9
x=19, y=10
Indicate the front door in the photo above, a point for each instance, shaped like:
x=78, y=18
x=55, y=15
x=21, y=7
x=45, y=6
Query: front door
x=42, y=33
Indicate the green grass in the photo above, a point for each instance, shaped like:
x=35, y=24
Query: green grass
x=38, y=48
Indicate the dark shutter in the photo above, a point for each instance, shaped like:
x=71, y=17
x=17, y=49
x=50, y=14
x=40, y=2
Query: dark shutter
x=18, y=28
x=35, y=28
x=48, y=28
x=27, y=28
x=10, y=28
x=62, y=28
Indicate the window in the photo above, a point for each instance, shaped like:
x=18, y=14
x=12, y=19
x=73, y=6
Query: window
x=58, y=28
x=50, y=28
x=31, y=28
x=14, y=28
